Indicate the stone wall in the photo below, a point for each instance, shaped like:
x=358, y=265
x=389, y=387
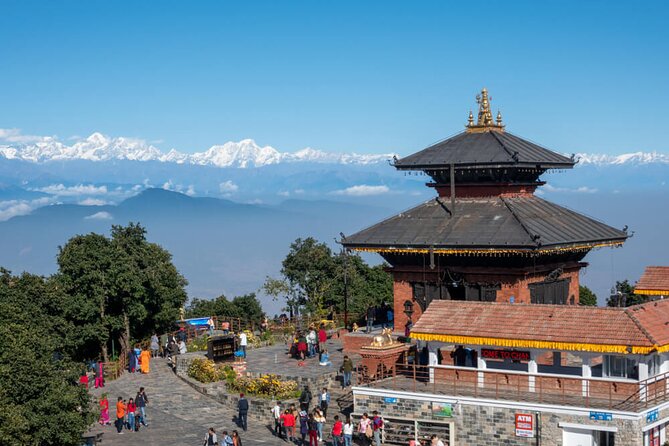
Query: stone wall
x=495, y=426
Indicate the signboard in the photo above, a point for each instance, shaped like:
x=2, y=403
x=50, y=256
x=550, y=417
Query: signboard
x=525, y=425
x=442, y=410
x=653, y=415
x=601, y=416
x=389, y=400
x=514, y=355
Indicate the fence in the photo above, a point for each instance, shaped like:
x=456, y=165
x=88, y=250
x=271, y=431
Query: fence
x=596, y=393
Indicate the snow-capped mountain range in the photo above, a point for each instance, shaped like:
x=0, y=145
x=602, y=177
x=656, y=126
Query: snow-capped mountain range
x=243, y=154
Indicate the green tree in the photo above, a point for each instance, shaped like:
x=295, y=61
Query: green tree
x=627, y=290
x=313, y=277
x=41, y=402
x=586, y=296
x=122, y=287
x=246, y=307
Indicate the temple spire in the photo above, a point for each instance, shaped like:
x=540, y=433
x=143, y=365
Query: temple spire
x=485, y=122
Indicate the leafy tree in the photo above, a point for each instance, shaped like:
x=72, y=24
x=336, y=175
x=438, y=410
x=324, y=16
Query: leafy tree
x=313, y=278
x=586, y=296
x=246, y=307
x=627, y=290
x=122, y=287
x=41, y=402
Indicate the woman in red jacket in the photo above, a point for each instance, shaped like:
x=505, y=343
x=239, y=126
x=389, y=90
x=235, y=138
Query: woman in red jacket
x=288, y=421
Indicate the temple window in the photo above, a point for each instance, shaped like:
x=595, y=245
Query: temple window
x=555, y=292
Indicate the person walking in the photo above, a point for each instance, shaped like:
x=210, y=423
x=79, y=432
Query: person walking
x=347, y=370
x=99, y=375
x=348, y=432
x=322, y=338
x=212, y=325
x=365, y=431
x=104, y=410
x=155, y=345
x=142, y=400
x=304, y=427
x=320, y=421
x=210, y=438
x=145, y=361
x=377, y=428
x=120, y=415
x=313, y=430
x=131, y=414
x=337, y=432
x=288, y=421
x=132, y=360
x=312, y=342
x=243, y=340
x=305, y=399
x=324, y=401
x=243, y=411
x=276, y=414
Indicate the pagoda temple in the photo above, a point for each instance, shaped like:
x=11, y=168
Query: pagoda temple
x=485, y=236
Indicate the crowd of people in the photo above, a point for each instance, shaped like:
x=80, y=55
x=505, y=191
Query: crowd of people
x=130, y=413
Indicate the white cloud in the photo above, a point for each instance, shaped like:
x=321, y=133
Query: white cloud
x=99, y=216
x=15, y=136
x=167, y=185
x=228, y=187
x=92, y=202
x=15, y=208
x=578, y=190
x=190, y=191
x=363, y=190
x=283, y=193
x=68, y=191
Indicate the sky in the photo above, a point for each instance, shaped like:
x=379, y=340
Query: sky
x=346, y=76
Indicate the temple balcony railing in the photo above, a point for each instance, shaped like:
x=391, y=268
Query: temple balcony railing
x=542, y=388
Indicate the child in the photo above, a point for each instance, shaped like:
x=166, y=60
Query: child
x=325, y=358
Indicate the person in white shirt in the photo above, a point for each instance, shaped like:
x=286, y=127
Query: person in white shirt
x=348, y=432
x=212, y=326
x=436, y=441
x=242, y=343
x=182, y=347
x=276, y=413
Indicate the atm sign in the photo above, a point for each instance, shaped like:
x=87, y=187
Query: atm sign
x=524, y=425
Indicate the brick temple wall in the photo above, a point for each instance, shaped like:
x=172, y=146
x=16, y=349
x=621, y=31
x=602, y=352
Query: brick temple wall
x=495, y=426
x=512, y=285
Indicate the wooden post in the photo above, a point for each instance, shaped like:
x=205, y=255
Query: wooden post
x=452, y=189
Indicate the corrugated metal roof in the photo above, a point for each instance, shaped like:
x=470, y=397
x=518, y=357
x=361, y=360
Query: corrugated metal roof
x=491, y=222
x=484, y=149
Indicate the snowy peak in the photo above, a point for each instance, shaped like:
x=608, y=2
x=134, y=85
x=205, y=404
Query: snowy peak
x=98, y=147
x=636, y=158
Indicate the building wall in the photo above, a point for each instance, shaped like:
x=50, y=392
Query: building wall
x=495, y=426
x=516, y=286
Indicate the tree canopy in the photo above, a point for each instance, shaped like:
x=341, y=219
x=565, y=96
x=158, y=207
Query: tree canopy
x=586, y=296
x=625, y=295
x=246, y=307
x=313, y=277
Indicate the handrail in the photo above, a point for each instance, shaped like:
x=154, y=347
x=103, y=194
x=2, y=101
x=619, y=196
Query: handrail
x=550, y=375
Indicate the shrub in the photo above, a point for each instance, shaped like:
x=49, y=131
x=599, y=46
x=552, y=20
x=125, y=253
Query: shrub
x=266, y=386
x=198, y=344
x=204, y=370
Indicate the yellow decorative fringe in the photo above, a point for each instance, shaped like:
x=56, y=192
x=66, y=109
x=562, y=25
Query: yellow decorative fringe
x=547, y=345
x=489, y=251
x=651, y=292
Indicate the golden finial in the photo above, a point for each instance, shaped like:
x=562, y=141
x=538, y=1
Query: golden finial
x=470, y=120
x=485, y=121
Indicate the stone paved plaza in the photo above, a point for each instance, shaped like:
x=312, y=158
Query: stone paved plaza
x=178, y=415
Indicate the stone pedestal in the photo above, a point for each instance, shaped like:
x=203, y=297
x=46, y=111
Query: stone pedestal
x=379, y=361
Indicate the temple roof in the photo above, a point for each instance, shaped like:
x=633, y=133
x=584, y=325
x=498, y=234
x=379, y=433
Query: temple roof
x=639, y=329
x=484, y=149
x=491, y=224
x=654, y=281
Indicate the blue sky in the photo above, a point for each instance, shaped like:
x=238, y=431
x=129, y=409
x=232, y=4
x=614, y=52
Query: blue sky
x=339, y=76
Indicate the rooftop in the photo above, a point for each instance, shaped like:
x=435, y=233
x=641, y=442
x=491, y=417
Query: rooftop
x=639, y=329
x=654, y=281
x=521, y=224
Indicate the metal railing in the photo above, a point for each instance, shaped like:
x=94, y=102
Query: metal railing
x=543, y=388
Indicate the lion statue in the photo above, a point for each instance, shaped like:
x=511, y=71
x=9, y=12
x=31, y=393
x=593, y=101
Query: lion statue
x=384, y=339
